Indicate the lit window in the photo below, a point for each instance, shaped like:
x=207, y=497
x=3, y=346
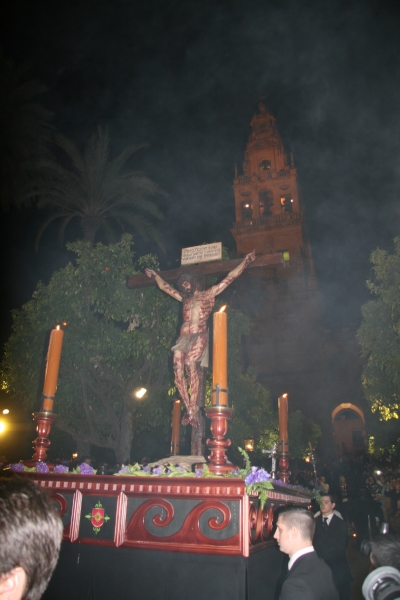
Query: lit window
x=287, y=204
x=247, y=210
x=266, y=200
x=286, y=255
x=265, y=165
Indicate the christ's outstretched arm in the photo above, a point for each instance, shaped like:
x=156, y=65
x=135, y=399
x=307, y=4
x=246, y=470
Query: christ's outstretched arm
x=222, y=285
x=163, y=285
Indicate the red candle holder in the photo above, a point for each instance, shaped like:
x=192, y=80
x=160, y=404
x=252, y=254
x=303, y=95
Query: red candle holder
x=284, y=472
x=44, y=422
x=219, y=416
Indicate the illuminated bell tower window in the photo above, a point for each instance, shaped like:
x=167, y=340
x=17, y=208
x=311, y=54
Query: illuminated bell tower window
x=247, y=210
x=266, y=200
x=287, y=204
x=265, y=165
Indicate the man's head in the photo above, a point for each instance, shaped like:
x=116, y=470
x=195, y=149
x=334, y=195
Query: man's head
x=327, y=504
x=30, y=539
x=188, y=283
x=294, y=529
x=385, y=551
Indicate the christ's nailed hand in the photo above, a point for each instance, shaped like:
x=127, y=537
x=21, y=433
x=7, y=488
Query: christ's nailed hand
x=150, y=273
x=250, y=257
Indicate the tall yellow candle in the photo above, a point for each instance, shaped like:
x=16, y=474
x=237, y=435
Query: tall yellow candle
x=176, y=427
x=220, y=358
x=52, y=367
x=283, y=423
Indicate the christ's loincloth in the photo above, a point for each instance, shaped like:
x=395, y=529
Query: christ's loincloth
x=185, y=343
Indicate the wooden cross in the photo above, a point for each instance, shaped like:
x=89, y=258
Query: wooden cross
x=202, y=270
x=213, y=268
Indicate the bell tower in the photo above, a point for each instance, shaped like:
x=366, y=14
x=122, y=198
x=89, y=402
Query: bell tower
x=268, y=210
x=289, y=346
x=285, y=344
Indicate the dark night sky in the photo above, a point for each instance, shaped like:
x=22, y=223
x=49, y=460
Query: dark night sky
x=186, y=76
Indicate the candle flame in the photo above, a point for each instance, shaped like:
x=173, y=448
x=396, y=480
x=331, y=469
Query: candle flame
x=284, y=395
x=222, y=309
x=57, y=327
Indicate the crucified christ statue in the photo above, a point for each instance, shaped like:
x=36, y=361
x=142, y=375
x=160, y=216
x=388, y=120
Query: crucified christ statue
x=191, y=347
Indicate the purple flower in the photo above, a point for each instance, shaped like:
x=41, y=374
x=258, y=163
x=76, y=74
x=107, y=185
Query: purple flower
x=61, y=469
x=180, y=469
x=257, y=475
x=17, y=467
x=146, y=469
x=198, y=473
x=41, y=467
x=86, y=469
x=158, y=470
x=124, y=470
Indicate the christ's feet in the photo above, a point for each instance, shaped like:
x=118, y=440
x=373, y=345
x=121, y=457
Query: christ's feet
x=191, y=419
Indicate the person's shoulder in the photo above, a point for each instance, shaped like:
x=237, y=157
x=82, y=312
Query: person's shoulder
x=304, y=561
x=338, y=522
x=310, y=579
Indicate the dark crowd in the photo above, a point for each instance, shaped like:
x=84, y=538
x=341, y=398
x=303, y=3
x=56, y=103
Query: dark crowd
x=367, y=493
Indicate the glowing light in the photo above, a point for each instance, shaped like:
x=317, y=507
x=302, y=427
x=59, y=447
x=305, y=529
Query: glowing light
x=140, y=392
x=65, y=323
x=2, y=427
x=222, y=309
x=249, y=445
x=75, y=455
x=6, y=411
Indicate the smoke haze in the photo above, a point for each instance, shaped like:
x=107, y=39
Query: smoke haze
x=187, y=77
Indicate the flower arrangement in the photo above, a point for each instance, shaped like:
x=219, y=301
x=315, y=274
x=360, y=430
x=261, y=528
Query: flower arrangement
x=257, y=480
x=84, y=469
x=164, y=471
x=60, y=469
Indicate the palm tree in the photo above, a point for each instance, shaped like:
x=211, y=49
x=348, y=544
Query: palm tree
x=97, y=191
x=25, y=129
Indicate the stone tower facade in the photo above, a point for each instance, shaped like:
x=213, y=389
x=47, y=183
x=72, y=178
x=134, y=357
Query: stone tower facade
x=290, y=348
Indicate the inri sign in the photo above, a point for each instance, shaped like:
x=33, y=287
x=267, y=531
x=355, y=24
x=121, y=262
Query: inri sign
x=199, y=254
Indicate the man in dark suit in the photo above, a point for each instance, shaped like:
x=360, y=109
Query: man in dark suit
x=330, y=543
x=308, y=578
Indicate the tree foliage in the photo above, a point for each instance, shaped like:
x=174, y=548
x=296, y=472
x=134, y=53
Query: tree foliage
x=379, y=335
x=25, y=129
x=99, y=192
x=115, y=340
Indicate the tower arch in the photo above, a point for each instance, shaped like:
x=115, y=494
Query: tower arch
x=348, y=424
